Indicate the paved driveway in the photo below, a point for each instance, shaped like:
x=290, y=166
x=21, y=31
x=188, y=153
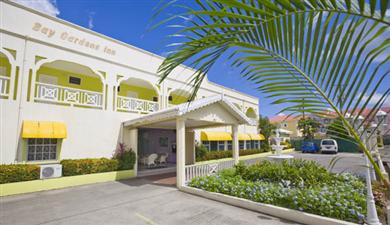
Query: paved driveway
x=347, y=162
x=135, y=201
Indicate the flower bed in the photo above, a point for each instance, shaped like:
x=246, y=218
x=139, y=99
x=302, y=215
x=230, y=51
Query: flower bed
x=300, y=185
x=227, y=154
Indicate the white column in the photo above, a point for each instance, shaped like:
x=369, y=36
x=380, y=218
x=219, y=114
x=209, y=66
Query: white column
x=180, y=152
x=133, y=144
x=235, y=144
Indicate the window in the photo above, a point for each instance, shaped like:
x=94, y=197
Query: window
x=41, y=149
x=213, y=145
x=285, y=125
x=256, y=144
x=74, y=80
x=221, y=145
x=229, y=145
x=241, y=145
x=248, y=144
x=206, y=144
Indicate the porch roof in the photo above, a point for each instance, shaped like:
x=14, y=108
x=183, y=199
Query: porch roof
x=166, y=118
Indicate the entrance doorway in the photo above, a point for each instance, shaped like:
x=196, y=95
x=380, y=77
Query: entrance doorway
x=156, y=151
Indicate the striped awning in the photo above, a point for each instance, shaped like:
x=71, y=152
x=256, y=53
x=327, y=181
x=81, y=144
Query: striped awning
x=43, y=129
x=215, y=136
x=257, y=137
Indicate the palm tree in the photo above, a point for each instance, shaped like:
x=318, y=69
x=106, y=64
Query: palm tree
x=331, y=53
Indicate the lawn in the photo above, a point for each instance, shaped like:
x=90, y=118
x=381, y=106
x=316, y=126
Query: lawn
x=298, y=184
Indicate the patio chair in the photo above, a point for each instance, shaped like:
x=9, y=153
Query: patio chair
x=151, y=160
x=163, y=158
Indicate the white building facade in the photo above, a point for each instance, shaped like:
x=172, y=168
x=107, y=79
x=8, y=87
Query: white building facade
x=65, y=91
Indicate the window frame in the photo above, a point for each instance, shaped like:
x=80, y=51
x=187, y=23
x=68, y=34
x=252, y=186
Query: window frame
x=241, y=145
x=42, y=144
x=246, y=144
x=221, y=143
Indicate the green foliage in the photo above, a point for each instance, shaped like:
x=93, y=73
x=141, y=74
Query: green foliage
x=200, y=152
x=72, y=167
x=18, y=172
x=337, y=130
x=303, y=185
x=227, y=154
x=126, y=160
x=309, y=127
x=266, y=129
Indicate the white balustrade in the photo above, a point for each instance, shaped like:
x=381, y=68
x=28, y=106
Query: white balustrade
x=129, y=104
x=66, y=95
x=208, y=169
x=4, y=83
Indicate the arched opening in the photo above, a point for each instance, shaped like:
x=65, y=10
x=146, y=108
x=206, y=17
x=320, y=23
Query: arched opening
x=137, y=95
x=251, y=113
x=5, y=75
x=178, y=96
x=65, y=82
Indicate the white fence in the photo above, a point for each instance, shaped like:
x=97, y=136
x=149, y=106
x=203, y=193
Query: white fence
x=4, y=82
x=200, y=170
x=60, y=94
x=136, y=105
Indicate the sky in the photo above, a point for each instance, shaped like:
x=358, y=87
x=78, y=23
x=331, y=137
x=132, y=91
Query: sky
x=128, y=21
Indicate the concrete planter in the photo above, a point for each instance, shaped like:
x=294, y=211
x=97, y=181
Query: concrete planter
x=285, y=213
x=62, y=182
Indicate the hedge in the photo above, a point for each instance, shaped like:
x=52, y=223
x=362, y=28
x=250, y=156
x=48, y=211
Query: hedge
x=18, y=172
x=72, y=167
x=227, y=154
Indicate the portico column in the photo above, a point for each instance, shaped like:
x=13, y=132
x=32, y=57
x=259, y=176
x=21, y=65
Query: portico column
x=235, y=144
x=180, y=152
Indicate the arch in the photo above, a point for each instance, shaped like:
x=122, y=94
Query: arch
x=7, y=63
x=139, y=86
x=251, y=113
x=8, y=55
x=40, y=63
x=179, y=96
x=56, y=68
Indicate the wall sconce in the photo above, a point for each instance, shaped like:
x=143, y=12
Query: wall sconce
x=170, y=98
x=155, y=99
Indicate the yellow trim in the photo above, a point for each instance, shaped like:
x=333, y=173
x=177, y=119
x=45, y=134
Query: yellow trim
x=62, y=182
x=244, y=137
x=43, y=129
x=215, y=136
x=257, y=137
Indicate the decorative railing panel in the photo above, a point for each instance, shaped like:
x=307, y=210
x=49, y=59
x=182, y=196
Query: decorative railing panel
x=4, y=83
x=65, y=95
x=192, y=171
x=129, y=104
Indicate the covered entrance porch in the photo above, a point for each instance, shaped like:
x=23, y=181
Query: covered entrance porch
x=183, y=120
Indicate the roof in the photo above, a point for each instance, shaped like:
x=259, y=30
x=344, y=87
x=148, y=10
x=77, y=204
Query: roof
x=283, y=118
x=183, y=109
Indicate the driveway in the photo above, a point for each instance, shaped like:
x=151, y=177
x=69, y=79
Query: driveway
x=136, y=201
x=347, y=162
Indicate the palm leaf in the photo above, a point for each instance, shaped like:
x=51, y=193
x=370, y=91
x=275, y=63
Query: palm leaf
x=325, y=52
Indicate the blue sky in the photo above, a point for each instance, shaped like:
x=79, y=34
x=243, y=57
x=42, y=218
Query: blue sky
x=128, y=21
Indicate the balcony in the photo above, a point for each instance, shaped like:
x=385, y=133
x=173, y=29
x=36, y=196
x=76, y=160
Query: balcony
x=4, y=83
x=68, y=96
x=129, y=104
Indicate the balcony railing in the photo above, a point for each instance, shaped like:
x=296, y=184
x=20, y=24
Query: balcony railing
x=136, y=105
x=66, y=95
x=4, y=82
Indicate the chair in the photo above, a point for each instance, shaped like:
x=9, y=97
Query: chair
x=163, y=158
x=151, y=159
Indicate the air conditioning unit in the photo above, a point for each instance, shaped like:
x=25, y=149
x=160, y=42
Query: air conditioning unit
x=51, y=171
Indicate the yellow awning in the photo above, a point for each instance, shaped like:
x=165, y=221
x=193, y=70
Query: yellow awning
x=43, y=129
x=215, y=136
x=244, y=137
x=257, y=137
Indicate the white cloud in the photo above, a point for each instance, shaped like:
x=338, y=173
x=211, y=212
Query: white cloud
x=46, y=6
x=376, y=98
x=90, y=20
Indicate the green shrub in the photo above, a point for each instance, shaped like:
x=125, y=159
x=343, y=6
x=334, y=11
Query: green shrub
x=340, y=196
x=200, y=151
x=72, y=167
x=126, y=160
x=18, y=172
x=226, y=154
